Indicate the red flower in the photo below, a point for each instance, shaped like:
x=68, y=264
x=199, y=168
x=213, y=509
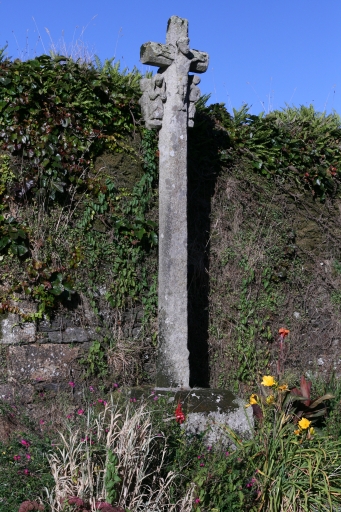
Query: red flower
x=179, y=414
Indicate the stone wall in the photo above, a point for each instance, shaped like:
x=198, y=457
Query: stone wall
x=45, y=355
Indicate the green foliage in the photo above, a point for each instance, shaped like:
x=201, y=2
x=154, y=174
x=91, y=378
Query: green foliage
x=3, y=55
x=112, y=478
x=12, y=236
x=56, y=117
x=294, y=143
x=6, y=174
x=96, y=360
x=250, y=326
x=278, y=468
x=24, y=469
x=56, y=113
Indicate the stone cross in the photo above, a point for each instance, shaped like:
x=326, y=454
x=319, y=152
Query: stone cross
x=168, y=104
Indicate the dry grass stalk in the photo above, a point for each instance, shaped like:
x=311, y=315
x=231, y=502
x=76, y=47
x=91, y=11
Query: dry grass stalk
x=80, y=471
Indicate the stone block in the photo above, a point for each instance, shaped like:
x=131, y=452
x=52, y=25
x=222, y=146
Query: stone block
x=57, y=324
x=6, y=392
x=13, y=333
x=77, y=335
x=210, y=411
x=22, y=394
x=46, y=326
x=50, y=362
x=55, y=336
x=56, y=333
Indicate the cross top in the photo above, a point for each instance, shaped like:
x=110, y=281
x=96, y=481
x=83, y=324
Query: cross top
x=176, y=28
x=162, y=55
x=171, y=84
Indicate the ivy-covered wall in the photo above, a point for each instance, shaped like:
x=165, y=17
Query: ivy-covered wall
x=78, y=233
x=77, y=217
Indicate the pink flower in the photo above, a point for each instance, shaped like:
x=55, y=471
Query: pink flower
x=227, y=454
x=155, y=398
x=69, y=416
x=41, y=422
x=133, y=399
x=115, y=385
x=197, y=500
x=72, y=384
x=202, y=464
x=17, y=457
x=25, y=443
x=209, y=448
x=91, y=389
x=28, y=456
x=26, y=472
x=80, y=411
x=250, y=484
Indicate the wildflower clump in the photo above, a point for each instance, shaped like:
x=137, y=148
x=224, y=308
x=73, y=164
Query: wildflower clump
x=28, y=506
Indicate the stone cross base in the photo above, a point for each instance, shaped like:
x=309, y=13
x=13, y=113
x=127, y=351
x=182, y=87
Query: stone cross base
x=207, y=411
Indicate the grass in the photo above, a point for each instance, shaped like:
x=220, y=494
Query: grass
x=134, y=456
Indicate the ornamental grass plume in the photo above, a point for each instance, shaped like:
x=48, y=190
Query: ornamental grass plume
x=138, y=460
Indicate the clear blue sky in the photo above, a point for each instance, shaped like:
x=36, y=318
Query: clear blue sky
x=262, y=52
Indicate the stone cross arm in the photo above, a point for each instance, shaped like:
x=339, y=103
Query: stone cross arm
x=162, y=55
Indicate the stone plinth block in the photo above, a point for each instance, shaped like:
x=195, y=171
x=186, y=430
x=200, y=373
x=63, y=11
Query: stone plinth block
x=41, y=362
x=208, y=412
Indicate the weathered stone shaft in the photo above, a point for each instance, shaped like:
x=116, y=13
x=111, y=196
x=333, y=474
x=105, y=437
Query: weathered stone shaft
x=173, y=366
x=168, y=104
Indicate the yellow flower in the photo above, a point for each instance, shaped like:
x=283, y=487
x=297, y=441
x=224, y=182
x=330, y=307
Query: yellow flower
x=253, y=400
x=311, y=431
x=304, y=423
x=297, y=432
x=270, y=399
x=283, y=387
x=268, y=381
